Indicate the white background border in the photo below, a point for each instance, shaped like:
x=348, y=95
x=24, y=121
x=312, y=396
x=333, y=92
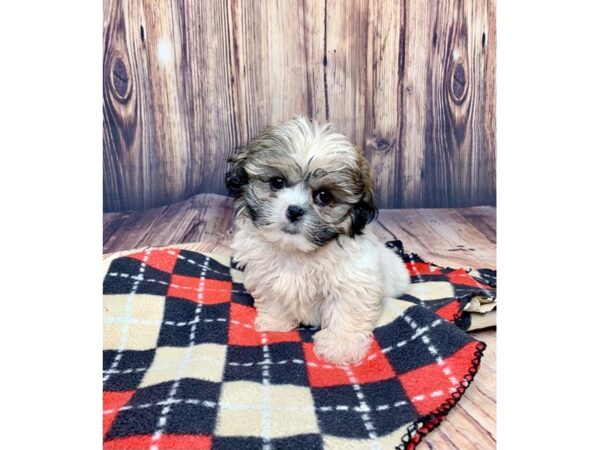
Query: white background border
x=548, y=223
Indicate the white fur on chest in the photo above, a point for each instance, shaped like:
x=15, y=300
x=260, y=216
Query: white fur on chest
x=308, y=285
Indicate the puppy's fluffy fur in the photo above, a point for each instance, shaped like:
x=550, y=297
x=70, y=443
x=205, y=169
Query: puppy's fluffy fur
x=303, y=199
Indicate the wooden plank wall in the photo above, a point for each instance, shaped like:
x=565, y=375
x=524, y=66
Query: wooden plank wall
x=410, y=81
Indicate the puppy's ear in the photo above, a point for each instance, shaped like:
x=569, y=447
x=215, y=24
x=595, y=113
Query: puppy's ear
x=236, y=178
x=365, y=210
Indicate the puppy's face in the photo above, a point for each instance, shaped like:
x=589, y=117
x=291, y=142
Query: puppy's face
x=302, y=185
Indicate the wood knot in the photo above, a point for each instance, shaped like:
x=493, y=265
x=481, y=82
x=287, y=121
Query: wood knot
x=458, y=83
x=120, y=84
x=379, y=143
x=382, y=144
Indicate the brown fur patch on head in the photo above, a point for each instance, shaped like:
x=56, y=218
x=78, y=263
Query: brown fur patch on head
x=365, y=210
x=236, y=178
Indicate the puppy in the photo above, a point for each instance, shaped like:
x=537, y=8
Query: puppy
x=303, y=198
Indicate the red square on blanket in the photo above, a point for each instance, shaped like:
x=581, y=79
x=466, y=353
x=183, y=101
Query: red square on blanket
x=205, y=291
x=449, y=311
x=420, y=268
x=159, y=259
x=242, y=331
x=112, y=402
x=430, y=386
x=375, y=367
x=461, y=276
x=174, y=441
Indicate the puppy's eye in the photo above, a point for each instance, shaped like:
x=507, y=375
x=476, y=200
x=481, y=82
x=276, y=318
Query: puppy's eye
x=277, y=183
x=323, y=197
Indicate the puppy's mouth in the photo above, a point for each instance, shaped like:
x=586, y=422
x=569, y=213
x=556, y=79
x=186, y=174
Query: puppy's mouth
x=290, y=229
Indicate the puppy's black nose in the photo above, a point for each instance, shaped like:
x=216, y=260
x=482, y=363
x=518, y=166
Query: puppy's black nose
x=294, y=212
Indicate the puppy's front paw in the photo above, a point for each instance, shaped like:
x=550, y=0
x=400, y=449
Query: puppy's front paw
x=267, y=323
x=342, y=347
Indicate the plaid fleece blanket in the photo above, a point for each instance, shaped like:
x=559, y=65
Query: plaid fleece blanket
x=185, y=369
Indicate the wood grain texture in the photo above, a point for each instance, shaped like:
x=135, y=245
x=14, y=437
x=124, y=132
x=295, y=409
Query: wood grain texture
x=455, y=237
x=202, y=218
x=411, y=82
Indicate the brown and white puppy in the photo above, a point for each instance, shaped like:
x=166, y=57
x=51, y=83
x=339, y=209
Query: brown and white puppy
x=303, y=199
